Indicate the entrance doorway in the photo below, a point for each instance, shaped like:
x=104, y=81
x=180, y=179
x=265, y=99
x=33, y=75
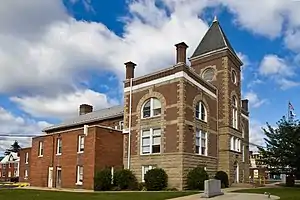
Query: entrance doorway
x=236, y=172
x=58, y=177
x=50, y=177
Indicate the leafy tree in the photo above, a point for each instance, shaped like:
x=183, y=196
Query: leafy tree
x=282, y=151
x=15, y=147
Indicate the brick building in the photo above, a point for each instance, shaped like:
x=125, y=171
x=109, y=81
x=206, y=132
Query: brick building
x=9, y=167
x=24, y=164
x=69, y=154
x=185, y=116
x=176, y=119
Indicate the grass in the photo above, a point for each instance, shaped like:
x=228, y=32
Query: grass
x=285, y=193
x=22, y=194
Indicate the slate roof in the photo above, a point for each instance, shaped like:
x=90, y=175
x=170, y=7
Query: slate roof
x=98, y=115
x=214, y=39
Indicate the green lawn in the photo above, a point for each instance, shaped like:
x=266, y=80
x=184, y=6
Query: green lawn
x=284, y=193
x=23, y=194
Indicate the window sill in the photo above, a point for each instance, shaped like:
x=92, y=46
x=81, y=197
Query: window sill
x=200, y=120
x=149, y=154
x=40, y=156
x=152, y=117
x=80, y=152
x=78, y=183
x=58, y=154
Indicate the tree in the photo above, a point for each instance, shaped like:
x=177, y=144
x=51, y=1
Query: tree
x=282, y=151
x=15, y=147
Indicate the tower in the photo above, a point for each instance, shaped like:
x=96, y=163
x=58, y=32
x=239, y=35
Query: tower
x=216, y=62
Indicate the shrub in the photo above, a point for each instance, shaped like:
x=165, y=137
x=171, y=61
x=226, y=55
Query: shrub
x=125, y=180
x=223, y=177
x=290, y=181
x=102, y=180
x=156, y=179
x=196, y=178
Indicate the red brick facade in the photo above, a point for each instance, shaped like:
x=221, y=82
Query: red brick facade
x=25, y=161
x=102, y=148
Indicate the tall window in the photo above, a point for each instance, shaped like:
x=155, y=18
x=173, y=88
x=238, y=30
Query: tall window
x=201, y=142
x=41, y=148
x=58, y=146
x=145, y=169
x=151, y=141
x=151, y=108
x=234, y=113
x=26, y=157
x=25, y=174
x=201, y=111
x=79, y=175
x=80, y=144
x=243, y=153
x=235, y=144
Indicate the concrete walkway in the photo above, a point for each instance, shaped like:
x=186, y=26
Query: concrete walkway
x=230, y=196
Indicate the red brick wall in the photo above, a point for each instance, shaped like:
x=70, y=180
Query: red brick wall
x=109, y=148
x=23, y=165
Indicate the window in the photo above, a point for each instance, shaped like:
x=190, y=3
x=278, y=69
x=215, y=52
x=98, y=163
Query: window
x=79, y=173
x=235, y=144
x=201, y=111
x=150, y=141
x=41, y=149
x=145, y=169
x=151, y=108
x=208, y=74
x=25, y=174
x=201, y=142
x=26, y=158
x=9, y=174
x=58, y=146
x=234, y=113
x=233, y=76
x=80, y=144
x=243, y=153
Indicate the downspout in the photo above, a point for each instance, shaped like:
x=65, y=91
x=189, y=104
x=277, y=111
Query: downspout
x=129, y=125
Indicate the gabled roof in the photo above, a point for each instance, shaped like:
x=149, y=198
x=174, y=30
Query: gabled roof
x=214, y=39
x=107, y=113
x=10, y=158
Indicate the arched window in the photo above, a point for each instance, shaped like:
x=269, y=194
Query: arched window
x=201, y=112
x=233, y=76
x=234, y=113
x=208, y=74
x=151, y=108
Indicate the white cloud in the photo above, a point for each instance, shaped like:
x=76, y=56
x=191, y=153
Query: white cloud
x=254, y=100
x=13, y=126
x=64, y=105
x=273, y=65
x=256, y=134
x=287, y=84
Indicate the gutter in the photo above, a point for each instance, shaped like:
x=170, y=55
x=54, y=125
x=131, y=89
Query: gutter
x=129, y=125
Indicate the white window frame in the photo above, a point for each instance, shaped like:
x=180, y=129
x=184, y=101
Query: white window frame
x=243, y=153
x=235, y=144
x=151, y=108
x=144, y=171
x=234, y=76
x=199, y=139
x=26, y=157
x=234, y=113
x=58, y=146
x=151, y=137
x=80, y=144
x=79, y=174
x=199, y=114
x=41, y=149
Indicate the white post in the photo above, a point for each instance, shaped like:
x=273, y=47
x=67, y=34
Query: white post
x=112, y=175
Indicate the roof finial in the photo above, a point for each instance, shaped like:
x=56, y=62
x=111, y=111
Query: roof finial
x=215, y=19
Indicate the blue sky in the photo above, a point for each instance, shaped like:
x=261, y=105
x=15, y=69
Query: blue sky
x=55, y=55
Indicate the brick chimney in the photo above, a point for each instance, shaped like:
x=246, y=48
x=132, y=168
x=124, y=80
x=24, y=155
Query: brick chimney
x=245, y=104
x=129, y=69
x=85, y=108
x=181, y=52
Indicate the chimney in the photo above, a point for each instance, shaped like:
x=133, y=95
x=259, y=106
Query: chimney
x=181, y=52
x=85, y=108
x=245, y=104
x=129, y=69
